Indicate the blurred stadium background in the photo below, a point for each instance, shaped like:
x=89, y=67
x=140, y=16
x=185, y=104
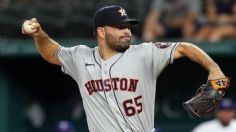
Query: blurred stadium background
x=35, y=95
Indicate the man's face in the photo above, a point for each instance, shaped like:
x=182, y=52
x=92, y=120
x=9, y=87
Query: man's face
x=225, y=116
x=118, y=37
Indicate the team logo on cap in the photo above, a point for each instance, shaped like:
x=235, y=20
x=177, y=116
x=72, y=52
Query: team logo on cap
x=122, y=12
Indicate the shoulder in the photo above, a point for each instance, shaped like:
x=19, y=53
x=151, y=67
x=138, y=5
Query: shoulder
x=206, y=125
x=142, y=47
x=78, y=50
x=151, y=45
x=81, y=48
x=210, y=122
x=234, y=122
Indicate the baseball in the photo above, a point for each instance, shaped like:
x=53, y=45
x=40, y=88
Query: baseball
x=28, y=28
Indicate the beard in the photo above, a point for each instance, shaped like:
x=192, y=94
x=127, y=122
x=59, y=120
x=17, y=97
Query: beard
x=120, y=45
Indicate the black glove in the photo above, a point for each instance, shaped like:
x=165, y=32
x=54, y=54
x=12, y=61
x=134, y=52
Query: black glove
x=207, y=98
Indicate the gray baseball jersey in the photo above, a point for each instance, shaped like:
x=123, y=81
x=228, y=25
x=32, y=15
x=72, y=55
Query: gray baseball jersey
x=118, y=93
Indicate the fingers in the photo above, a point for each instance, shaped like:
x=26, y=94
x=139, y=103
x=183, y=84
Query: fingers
x=34, y=20
x=34, y=25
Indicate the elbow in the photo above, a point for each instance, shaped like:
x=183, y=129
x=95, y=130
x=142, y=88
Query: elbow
x=51, y=59
x=185, y=45
x=184, y=49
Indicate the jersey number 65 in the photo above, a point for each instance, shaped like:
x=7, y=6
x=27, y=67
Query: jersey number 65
x=133, y=106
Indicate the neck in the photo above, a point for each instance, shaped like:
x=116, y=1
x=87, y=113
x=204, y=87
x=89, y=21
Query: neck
x=225, y=123
x=105, y=52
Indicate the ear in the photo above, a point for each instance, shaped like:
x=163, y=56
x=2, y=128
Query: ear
x=101, y=32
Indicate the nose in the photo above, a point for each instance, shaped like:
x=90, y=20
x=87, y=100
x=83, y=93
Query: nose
x=127, y=31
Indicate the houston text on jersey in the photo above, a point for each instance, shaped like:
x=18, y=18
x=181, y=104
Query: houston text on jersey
x=122, y=84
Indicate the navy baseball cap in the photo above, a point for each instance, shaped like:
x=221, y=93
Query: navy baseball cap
x=112, y=15
x=226, y=104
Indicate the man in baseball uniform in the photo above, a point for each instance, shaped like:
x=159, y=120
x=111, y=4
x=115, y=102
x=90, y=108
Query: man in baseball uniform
x=224, y=119
x=117, y=81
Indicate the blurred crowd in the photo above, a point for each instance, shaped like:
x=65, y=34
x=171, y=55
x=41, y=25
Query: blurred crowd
x=224, y=119
x=210, y=20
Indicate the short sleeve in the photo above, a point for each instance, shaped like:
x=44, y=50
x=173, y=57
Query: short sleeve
x=159, y=55
x=70, y=58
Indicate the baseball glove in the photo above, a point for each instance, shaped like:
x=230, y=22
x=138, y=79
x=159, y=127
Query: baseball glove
x=207, y=98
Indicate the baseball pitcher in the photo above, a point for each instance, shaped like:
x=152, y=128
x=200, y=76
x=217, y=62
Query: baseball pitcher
x=117, y=81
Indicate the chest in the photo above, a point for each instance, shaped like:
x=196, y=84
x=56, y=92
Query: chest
x=123, y=74
x=118, y=67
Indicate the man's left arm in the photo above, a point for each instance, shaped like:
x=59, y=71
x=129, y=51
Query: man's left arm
x=197, y=55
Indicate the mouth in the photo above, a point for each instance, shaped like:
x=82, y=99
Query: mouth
x=126, y=37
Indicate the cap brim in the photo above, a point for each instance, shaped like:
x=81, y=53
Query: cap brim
x=130, y=21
